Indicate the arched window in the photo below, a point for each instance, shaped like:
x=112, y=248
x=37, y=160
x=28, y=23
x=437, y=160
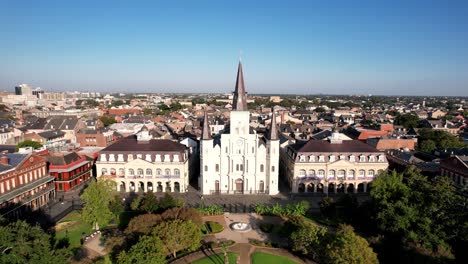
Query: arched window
x=104, y=171
x=158, y=172
x=311, y=172
x=112, y=171
x=341, y=173
x=176, y=172
x=362, y=173
x=302, y=173
x=331, y=173
x=121, y=171
x=168, y=172
x=272, y=168
x=131, y=172
x=351, y=173
x=321, y=173
x=206, y=168
x=262, y=168
x=371, y=173
x=217, y=167
x=140, y=172
x=149, y=172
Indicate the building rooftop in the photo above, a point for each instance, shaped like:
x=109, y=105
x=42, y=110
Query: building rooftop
x=326, y=146
x=130, y=143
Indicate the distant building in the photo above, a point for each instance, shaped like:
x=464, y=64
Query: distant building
x=23, y=89
x=96, y=137
x=139, y=163
x=331, y=166
x=25, y=184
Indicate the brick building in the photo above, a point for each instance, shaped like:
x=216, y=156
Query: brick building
x=69, y=170
x=25, y=184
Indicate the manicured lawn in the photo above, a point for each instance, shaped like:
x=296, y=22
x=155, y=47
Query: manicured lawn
x=217, y=259
x=73, y=228
x=260, y=258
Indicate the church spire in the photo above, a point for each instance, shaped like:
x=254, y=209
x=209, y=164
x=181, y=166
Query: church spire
x=274, y=128
x=240, y=98
x=206, y=135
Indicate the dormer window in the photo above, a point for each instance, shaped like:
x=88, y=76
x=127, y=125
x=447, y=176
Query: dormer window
x=321, y=158
x=362, y=158
x=371, y=158
x=352, y=158
x=130, y=157
x=312, y=158
x=332, y=158
x=342, y=157
x=302, y=158
x=381, y=158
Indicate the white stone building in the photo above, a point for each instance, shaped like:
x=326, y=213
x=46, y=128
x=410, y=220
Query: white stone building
x=239, y=161
x=139, y=163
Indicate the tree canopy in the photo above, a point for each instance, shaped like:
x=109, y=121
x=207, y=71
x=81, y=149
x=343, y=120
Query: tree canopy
x=28, y=143
x=22, y=243
x=178, y=235
x=149, y=249
x=97, y=197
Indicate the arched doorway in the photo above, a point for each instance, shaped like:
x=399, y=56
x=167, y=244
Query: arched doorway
x=159, y=188
x=360, y=188
x=301, y=188
x=217, y=186
x=141, y=186
x=149, y=186
x=176, y=187
x=132, y=186
x=320, y=188
x=239, y=185
x=340, y=188
x=310, y=187
x=331, y=188
x=262, y=187
x=350, y=188
x=369, y=186
x=122, y=187
x=168, y=187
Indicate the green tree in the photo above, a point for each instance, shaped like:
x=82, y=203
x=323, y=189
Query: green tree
x=22, y=243
x=147, y=111
x=107, y=120
x=28, y=143
x=116, y=206
x=96, y=198
x=428, y=146
x=178, y=235
x=150, y=203
x=407, y=120
x=149, y=249
x=347, y=248
x=306, y=238
x=167, y=201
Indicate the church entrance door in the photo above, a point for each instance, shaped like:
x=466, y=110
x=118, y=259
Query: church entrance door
x=239, y=186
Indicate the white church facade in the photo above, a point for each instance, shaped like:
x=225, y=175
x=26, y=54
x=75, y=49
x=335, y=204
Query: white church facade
x=239, y=161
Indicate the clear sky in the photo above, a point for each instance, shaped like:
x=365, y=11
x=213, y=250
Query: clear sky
x=306, y=47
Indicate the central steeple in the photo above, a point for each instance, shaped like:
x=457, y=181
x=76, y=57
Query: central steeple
x=240, y=99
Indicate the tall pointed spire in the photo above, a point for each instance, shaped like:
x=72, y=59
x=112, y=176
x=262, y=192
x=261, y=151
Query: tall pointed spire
x=274, y=128
x=240, y=99
x=206, y=134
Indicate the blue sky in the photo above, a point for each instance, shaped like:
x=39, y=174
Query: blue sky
x=305, y=47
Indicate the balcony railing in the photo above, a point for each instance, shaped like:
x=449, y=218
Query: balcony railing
x=145, y=176
x=214, y=192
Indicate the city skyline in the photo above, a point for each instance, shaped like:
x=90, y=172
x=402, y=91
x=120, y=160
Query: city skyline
x=400, y=48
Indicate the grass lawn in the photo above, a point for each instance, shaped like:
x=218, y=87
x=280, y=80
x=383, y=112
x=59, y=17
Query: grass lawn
x=260, y=258
x=217, y=259
x=73, y=227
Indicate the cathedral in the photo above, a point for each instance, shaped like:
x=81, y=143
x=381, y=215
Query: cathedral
x=239, y=161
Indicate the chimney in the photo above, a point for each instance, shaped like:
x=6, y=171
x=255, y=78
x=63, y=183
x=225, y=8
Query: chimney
x=4, y=160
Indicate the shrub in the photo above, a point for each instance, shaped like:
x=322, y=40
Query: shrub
x=211, y=210
x=211, y=227
x=267, y=228
x=299, y=208
x=258, y=243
